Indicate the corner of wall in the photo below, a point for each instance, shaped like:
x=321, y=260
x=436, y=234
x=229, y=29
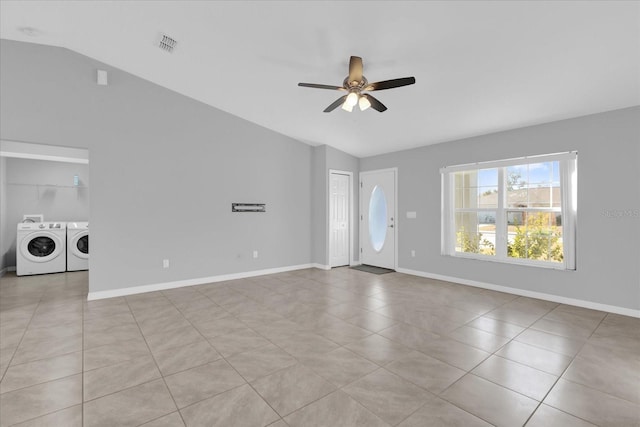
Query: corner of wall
x=3, y=213
x=318, y=205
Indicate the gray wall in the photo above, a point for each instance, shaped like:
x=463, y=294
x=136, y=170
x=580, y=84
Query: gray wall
x=318, y=206
x=164, y=171
x=608, y=145
x=41, y=187
x=5, y=242
x=326, y=158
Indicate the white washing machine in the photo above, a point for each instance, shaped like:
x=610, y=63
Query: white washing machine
x=41, y=248
x=77, y=246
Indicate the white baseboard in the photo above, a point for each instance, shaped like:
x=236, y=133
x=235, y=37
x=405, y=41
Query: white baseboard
x=355, y=264
x=7, y=270
x=525, y=293
x=190, y=282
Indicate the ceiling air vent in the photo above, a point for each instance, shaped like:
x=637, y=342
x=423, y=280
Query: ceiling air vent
x=167, y=43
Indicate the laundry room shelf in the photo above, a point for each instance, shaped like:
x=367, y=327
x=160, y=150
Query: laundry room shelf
x=41, y=191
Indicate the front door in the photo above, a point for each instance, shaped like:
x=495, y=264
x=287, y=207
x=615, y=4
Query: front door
x=339, y=214
x=377, y=218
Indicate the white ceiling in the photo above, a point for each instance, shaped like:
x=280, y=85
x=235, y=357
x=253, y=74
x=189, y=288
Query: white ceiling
x=480, y=66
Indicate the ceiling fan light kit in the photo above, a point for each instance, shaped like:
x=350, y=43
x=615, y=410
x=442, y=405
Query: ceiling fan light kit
x=346, y=107
x=355, y=83
x=363, y=103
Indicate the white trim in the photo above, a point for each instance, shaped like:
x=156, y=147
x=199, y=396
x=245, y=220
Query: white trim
x=7, y=270
x=351, y=212
x=28, y=150
x=320, y=266
x=191, y=282
x=525, y=293
x=571, y=155
x=515, y=261
x=447, y=245
x=569, y=194
x=397, y=220
x=394, y=169
x=43, y=157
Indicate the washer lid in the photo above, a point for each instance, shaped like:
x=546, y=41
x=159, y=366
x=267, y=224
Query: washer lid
x=78, y=225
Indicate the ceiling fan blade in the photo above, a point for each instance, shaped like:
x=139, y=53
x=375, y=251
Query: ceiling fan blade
x=317, y=86
x=390, y=84
x=336, y=104
x=355, y=69
x=375, y=104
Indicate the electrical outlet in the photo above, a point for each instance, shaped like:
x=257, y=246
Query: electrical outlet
x=255, y=254
x=413, y=253
x=165, y=263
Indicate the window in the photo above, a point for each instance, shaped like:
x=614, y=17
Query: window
x=377, y=218
x=519, y=211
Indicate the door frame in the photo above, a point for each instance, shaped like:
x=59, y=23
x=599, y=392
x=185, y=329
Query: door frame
x=351, y=212
x=362, y=233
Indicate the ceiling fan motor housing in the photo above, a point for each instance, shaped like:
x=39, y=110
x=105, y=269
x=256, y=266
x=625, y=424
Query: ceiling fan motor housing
x=355, y=85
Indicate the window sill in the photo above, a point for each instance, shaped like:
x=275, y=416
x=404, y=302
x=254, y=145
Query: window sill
x=512, y=261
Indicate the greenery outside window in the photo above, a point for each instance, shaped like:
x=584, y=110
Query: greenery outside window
x=520, y=211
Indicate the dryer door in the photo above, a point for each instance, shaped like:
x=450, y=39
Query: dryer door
x=80, y=245
x=41, y=246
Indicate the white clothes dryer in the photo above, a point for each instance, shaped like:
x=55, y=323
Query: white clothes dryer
x=41, y=248
x=77, y=246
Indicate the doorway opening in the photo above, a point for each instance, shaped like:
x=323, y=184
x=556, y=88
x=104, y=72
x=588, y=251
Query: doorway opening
x=40, y=183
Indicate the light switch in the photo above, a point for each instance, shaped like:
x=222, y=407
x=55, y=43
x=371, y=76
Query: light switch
x=102, y=78
x=411, y=215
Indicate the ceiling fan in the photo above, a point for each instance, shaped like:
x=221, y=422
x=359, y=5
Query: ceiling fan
x=355, y=83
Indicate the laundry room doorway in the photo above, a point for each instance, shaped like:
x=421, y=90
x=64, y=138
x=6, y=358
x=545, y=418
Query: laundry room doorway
x=40, y=183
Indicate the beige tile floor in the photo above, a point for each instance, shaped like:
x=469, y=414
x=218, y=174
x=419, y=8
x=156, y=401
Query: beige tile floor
x=310, y=348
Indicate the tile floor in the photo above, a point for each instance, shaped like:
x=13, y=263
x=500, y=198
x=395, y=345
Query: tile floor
x=310, y=348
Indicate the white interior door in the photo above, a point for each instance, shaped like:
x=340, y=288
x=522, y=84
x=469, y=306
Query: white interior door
x=339, y=214
x=378, y=218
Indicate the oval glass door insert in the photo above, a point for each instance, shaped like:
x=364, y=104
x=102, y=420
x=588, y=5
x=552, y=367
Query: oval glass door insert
x=377, y=218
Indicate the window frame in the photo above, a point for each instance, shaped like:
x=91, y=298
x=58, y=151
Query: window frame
x=568, y=210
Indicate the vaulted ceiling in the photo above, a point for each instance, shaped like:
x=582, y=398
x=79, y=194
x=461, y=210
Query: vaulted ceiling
x=480, y=66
